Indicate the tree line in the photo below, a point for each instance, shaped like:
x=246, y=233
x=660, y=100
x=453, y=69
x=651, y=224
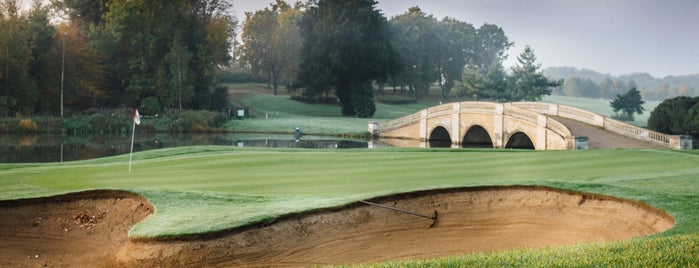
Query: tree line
x=342, y=49
x=83, y=54
x=590, y=84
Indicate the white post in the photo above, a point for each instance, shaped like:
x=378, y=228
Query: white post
x=63, y=70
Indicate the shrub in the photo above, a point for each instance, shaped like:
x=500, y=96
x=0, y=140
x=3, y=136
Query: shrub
x=150, y=106
x=396, y=99
x=28, y=126
x=194, y=121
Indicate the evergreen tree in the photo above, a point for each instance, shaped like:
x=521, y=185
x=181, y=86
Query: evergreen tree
x=528, y=82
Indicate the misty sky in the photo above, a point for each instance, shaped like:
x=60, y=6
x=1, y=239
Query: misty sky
x=609, y=36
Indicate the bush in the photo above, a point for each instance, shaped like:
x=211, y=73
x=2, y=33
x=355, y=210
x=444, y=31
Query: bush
x=28, y=126
x=150, y=106
x=396, y=99
x=194, y=121
x=673, y=116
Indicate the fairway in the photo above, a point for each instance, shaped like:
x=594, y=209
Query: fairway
x=210, y=189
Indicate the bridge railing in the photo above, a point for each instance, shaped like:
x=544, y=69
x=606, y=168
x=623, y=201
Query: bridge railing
x=522, y=114
x=398, y=122
x=609, y=124
x=558, y=128
x=478, y=107
x=440, y=110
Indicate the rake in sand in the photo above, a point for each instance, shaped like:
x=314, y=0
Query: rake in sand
x=433, y=218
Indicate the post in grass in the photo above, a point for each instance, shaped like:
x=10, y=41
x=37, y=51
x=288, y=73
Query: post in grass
x=136, y=121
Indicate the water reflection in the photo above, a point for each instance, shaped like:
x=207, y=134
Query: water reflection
x=56, y=148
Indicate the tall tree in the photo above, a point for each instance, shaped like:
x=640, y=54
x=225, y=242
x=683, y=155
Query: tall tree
x=417, y=38
x=18, y=89
x=82, y=69
x=140, y=34
x=629, y=104
x=180, y=88
x=496, y=82
x=528, y=82
x=456, y=39
x=271, y=41
x=491, y=46
x=346, y=47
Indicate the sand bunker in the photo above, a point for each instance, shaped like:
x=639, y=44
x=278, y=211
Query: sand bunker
x=470, y=220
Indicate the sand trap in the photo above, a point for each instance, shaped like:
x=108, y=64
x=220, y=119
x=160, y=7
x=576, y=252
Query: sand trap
x=470, y=220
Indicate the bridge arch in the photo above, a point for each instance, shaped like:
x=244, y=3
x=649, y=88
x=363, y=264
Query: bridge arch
x=540, y=123
x=520, y=140
x=477, y=137
x=440, y=138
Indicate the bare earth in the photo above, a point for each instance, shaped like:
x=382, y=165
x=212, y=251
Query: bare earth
x=54, y=231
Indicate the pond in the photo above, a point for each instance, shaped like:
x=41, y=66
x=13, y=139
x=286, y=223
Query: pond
x=36, y=148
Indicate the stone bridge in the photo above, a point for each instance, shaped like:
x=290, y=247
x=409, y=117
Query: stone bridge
x=525, y=125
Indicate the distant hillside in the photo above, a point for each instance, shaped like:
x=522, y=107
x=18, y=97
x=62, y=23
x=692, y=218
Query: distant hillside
x=589, y=83
x=565, y=72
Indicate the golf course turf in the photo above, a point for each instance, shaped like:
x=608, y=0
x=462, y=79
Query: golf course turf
x=200, y=192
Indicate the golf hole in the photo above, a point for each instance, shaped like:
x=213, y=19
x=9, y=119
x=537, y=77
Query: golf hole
x=480, y=219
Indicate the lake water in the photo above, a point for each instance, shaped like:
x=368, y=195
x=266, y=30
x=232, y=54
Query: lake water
x=37, y=148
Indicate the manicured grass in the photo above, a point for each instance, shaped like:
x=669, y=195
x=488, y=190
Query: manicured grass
x=601, y=106
x=210, y=188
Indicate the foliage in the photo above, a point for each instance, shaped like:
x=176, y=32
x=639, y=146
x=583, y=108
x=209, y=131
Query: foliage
x=679, y=115
x=149, y=106
x=111, y=53
x=528, y=82
x=472, y=82
x=237, y=74
x=346, y=46
x=193, y=121
x=629, y=104
x=416, y=36
x=19, y=91
x=272, y=42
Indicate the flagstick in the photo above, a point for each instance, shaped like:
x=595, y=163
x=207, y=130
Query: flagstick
x=133, y=133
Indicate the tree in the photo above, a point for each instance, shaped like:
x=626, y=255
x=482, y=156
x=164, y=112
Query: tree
x=528, y=82
x=456, y=38
x=346, y=47
x=138, y=35
x=673, y=116
x=417, y=39
x=628, y=104
x=180, y=88
x=82, y=67
x=491, y=45
x=496, y=82
x=472, y=82
x=271, y=41
x=18, y=89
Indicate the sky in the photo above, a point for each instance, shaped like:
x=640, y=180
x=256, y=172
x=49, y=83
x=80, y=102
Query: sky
x=617, y=37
